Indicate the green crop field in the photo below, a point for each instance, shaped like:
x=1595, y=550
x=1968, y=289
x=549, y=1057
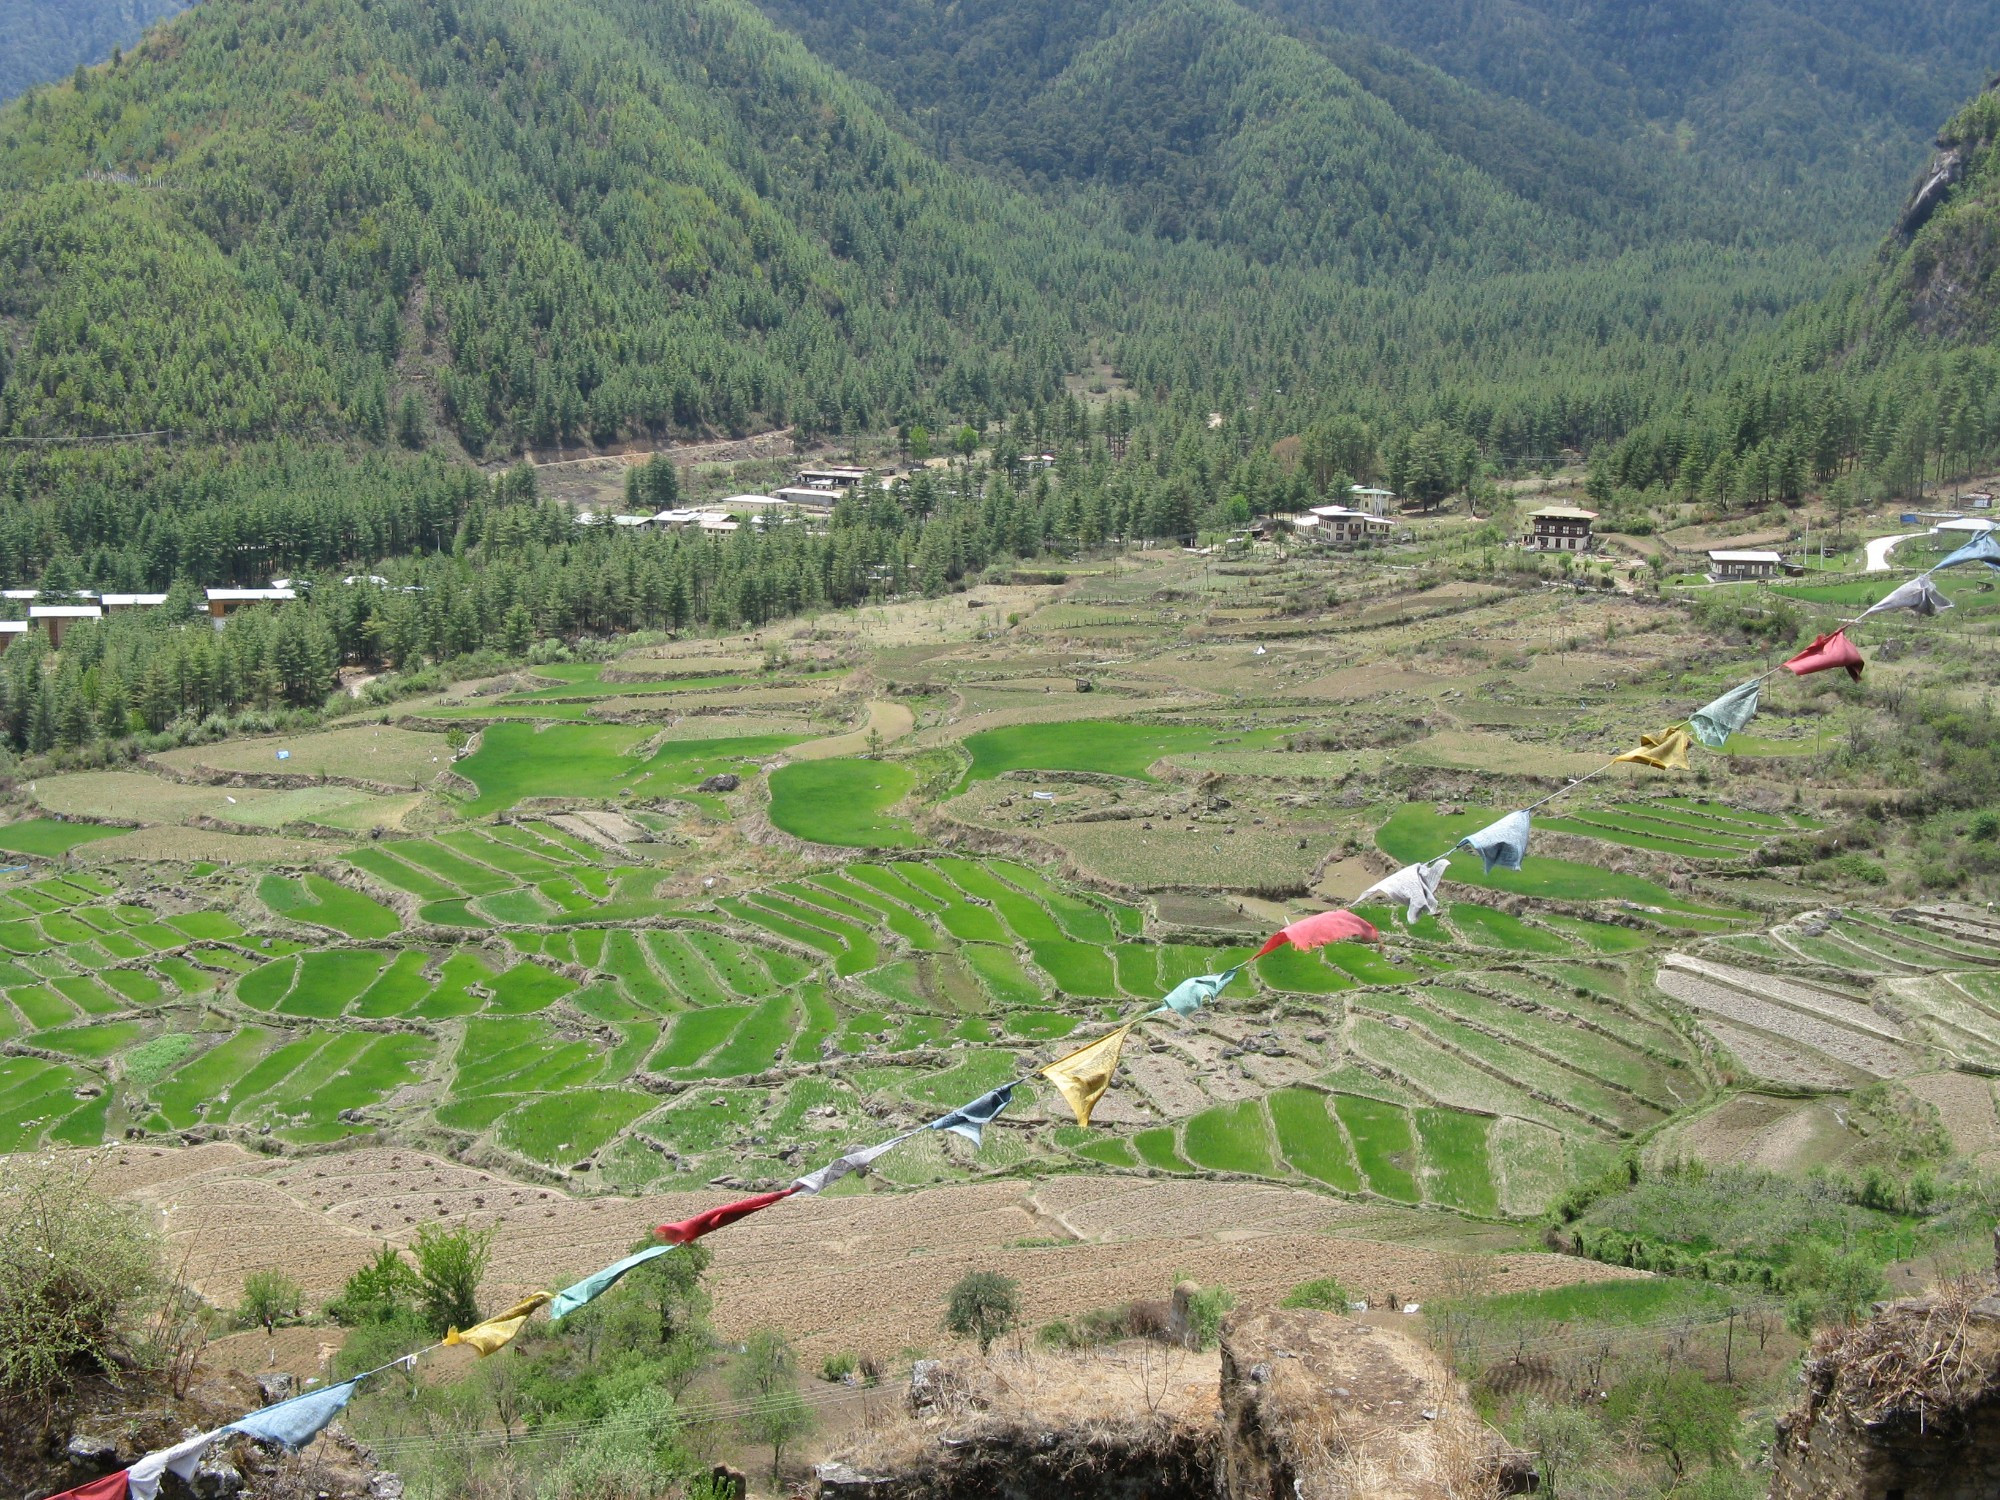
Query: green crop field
x=50, y=837
x=320, y=901
x=843, y=802
x=1106, y=746
x=1230, y=1138
x=1311, y=1138
x=1495, y=929
x=1383, y=1145
x=518, y=761
x=573, y=1126
x=1454, y=1143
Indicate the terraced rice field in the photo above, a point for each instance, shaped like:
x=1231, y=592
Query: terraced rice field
x=843, y=803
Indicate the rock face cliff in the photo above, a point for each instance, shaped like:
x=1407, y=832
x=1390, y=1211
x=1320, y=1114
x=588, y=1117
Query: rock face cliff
x=1300, y=1406
x=1904, y=1407
x=1945, y=254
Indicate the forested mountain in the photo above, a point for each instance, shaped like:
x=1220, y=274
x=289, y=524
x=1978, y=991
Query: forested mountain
x=479, y=224
x=1894, y=379
x=1813, y=107
x=502, y=222
x=1780, y=118
x=44, y=39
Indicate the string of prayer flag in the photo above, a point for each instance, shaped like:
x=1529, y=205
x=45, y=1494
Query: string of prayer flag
x=1503, y=844
x=1190, y=995
x=1665, y=751
x=1083, y=1075
x=595, y=1285
x=1713, y=723
x=294, y=1422
x=1826, y=652
x=1415, y=886
x=1983, y=548
x=498, y=1331
x=687, y=1231
x=971, y=1120
x=854, y=1161
x=110, y=1487
x=1320, y=929
x=1919, y=594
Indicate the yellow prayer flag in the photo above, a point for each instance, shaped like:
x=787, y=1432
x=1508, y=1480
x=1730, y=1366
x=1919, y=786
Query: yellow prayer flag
x=1085, y=1074
x=497, y=1331
x=1666, y=751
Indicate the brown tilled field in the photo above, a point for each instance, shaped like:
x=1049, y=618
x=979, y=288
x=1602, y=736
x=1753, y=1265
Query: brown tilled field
x=865, y=1270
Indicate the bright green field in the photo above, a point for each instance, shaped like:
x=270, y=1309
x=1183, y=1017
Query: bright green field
x=516, y=761
x=49, y=838
x=574, y=1124
x=1102, y=745
x=1230, y=1138
x=325, y=904
x=843, y=802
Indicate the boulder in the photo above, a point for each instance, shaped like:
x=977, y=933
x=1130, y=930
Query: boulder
x=725, y=781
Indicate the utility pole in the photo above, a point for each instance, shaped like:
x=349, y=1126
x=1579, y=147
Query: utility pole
x=1729, y=1349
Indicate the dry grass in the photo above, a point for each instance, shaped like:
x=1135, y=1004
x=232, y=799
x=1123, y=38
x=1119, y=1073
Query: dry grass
x=1918, y=1361
x=364, y=752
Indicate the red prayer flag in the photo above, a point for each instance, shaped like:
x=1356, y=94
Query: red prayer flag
x=1317, y=931
x=1834, y=650
x=689, y=1230
x=110, y=1487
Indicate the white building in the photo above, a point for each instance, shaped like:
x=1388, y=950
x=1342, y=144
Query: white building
x=58, y=618
x=1343, y=526
x=223, y=603
x=1375, y=502
x=113, y=603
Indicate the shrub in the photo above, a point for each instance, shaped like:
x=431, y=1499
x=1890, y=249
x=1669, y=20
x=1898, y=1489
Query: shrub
x=450, y=1265
x=267, y=1297
x=73, y=1266
x=383, y=1291
x=1205, y=1310
x=837, y=1367
x=765, y=1379
x=1324, y=1295
x=984, y=1305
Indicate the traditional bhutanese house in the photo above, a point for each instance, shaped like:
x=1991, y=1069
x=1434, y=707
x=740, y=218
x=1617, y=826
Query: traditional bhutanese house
x=225, y=602
x=715, y=523
x=1559, y=528
x=1343, y=526
x=1731, y=567
x=675, y=519
x=11, y=631
x=1375, y=501
x=115, y=603
x=58, y=618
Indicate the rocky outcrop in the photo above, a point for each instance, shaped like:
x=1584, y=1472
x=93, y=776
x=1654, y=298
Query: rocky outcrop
x=1299, y=1406
x=1327, y=1408
x=1907, y=1404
